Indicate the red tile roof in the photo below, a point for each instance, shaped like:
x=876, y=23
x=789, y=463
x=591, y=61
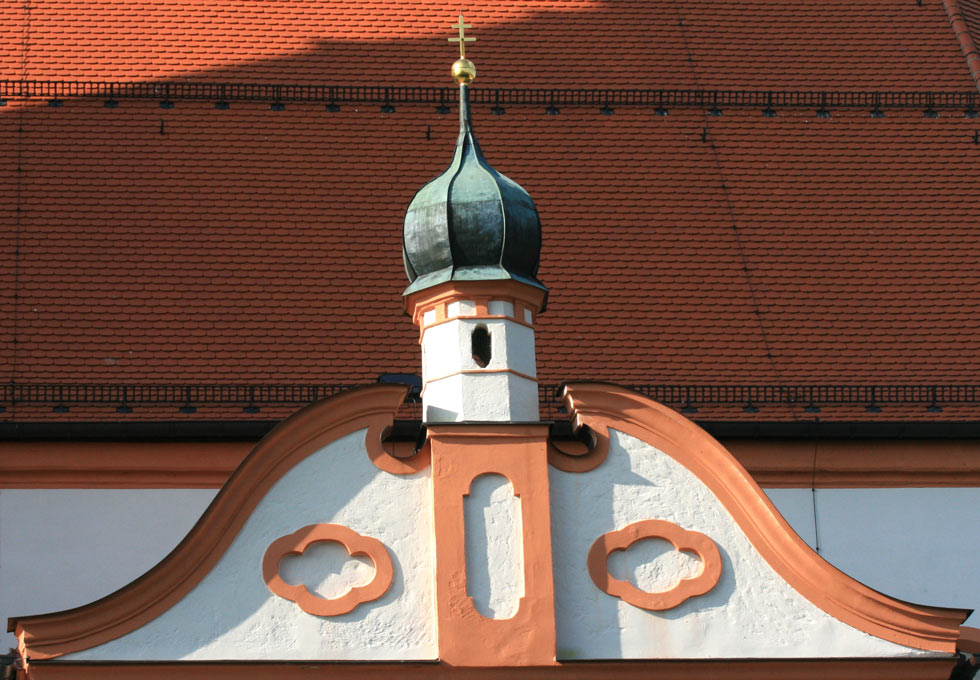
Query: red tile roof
x=798, y=44
x=195, y=245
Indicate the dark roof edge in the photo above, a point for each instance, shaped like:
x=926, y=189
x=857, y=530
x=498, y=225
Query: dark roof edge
x=253, y=430
x=145, y=430
x=842, y=429
x=58, y=90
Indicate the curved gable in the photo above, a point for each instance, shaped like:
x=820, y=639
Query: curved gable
x=633, y=427
x=352, y=423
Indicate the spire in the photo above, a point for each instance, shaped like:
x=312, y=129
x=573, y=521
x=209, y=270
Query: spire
x=464, y=72
x=470, y=223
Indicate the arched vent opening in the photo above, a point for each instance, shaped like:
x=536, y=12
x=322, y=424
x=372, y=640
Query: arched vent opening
x=480, y=344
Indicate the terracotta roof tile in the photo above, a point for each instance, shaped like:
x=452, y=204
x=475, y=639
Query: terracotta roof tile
x=195, y=245
x=805, y=44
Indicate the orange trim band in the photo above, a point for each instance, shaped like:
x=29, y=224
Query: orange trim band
x=709, y=669
x=682, y=539
x=848, y=463
x=119, y=465
x=604, y=406
x=488, y=317
x=779, y=463
x=297, y=542
x=50, y=635
x=460, y=454
x=437, y=297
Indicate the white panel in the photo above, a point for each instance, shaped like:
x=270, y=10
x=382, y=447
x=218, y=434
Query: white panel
x=796, y=506
x=752, y=612
x=429, y=317
x=494, y=547
x=501, y=308
x=61, y=548
x=231, y=614
x=914, y=544
x=461, y=308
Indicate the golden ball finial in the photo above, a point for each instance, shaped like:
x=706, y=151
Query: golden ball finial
x=464, y=72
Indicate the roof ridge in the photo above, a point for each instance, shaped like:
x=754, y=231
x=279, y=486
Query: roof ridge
x=967, y=43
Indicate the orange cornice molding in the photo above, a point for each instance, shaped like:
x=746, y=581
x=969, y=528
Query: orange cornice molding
x=603, y=406
x=51, y=635
x=859, y=463
x=504, y=289
x=773, y=463
x=119, y=465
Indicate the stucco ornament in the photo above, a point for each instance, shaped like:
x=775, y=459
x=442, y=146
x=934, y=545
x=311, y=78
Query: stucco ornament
x=686, y=541
x=297, y=542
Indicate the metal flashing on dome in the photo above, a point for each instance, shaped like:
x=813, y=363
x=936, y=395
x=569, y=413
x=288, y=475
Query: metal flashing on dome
x=471, y=223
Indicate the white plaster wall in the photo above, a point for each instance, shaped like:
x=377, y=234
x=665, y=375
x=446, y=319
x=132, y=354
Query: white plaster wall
x=450, y=396
x=461, y=308
x=501, y=308
x=61, y=548
x=231, y=614
x=494, y=546
x=64, y=548
x=447, y=347
x=918, y=545
x=751, y=613
x=497, y=397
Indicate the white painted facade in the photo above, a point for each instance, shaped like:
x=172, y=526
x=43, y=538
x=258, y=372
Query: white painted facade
x=457, y=388
x=62, y=548
x=231, y=613
x=751, y=613
x=494, y=547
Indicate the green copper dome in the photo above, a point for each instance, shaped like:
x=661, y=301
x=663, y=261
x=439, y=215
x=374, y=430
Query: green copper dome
x=471, y=223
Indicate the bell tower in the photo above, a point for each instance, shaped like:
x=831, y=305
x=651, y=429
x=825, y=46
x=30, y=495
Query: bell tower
x=471, y=244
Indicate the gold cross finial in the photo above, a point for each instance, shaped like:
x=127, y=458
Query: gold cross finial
x=462, y=39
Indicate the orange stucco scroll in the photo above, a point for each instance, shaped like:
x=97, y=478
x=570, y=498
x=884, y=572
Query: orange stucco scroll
x=356, y=544
x=680, y=538
x=579, y=456
x=461, y=453
x=604, y=407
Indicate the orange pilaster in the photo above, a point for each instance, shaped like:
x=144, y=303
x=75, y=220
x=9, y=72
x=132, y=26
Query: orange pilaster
x=460, y=454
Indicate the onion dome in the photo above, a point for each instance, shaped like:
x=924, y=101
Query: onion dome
x=470, y=223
